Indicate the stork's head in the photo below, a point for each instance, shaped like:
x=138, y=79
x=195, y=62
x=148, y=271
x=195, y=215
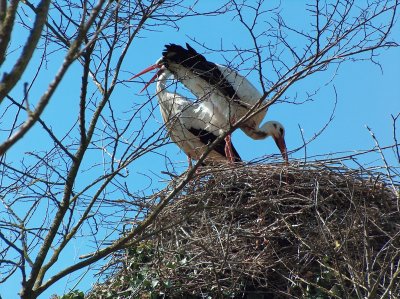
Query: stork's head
x=160, y=65
x=277, y=131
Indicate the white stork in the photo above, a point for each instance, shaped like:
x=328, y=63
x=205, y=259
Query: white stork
x=192, y=126
x=232, y=94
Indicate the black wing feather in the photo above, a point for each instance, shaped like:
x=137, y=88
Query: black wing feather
x=207, y=137
x=198, y=64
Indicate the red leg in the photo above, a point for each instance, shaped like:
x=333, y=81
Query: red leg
x=228, y=149
x=228, y=144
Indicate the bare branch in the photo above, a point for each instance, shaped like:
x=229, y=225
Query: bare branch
x=10, y=79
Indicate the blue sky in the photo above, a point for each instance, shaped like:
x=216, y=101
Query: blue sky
x=366, y=95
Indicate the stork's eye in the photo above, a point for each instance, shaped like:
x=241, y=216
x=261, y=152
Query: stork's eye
x=281, y=130
x=275, y=126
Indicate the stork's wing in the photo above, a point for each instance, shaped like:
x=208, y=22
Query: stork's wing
x=207, y=137
x=200, y=66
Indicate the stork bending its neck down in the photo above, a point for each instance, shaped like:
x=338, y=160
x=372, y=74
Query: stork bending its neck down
x=230, y=93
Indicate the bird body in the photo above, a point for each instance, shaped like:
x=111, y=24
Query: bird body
x=236, y=105
x=192, y=126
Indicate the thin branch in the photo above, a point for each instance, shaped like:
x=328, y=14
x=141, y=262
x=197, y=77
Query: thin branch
x=10, y=79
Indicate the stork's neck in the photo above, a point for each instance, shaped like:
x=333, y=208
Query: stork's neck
x=263, y=132
x=169, y=102
x=162, y=81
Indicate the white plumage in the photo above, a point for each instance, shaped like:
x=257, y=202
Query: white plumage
x=192, y=126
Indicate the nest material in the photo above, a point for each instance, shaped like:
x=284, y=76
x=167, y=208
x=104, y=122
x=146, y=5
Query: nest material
x=279, y=232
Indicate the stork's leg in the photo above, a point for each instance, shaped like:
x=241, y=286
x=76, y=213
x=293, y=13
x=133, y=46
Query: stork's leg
x=189, y=161
x=190, y=166
x=228, y=144
x=228, y=149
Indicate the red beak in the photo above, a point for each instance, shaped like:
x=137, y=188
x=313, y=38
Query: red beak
x=146, y=70
x=280, y=142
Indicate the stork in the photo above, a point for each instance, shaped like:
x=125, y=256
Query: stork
x=192, y=126
x=231, y=93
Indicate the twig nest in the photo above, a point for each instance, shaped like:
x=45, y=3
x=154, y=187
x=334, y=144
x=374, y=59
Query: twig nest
x=280, y=232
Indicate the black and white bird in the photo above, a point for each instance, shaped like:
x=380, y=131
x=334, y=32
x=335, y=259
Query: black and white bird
x=232, y=95
x=192, y=126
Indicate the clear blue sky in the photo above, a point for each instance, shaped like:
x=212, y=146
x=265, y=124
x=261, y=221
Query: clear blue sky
x=365, y=96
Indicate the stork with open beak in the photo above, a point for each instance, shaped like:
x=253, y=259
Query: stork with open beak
x=192, y=126
x=232, y=95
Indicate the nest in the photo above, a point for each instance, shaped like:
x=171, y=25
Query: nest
x=304, y=231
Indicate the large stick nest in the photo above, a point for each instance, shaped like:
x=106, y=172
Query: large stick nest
x=301, y=231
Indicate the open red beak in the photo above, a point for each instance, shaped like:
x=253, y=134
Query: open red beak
x=280, y=142
x=146, y=70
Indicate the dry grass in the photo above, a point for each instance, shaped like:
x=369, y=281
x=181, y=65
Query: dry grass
x=285, y=232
